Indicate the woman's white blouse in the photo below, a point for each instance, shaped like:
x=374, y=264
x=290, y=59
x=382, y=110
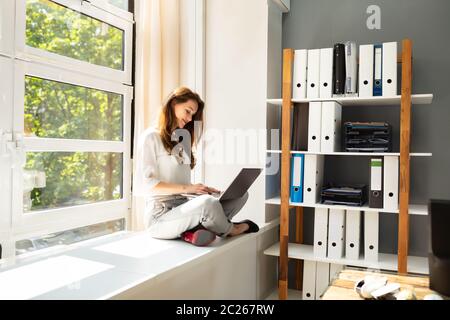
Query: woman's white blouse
x=154, y=164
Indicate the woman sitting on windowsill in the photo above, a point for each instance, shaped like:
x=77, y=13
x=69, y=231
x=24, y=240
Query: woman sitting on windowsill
x=163, y=175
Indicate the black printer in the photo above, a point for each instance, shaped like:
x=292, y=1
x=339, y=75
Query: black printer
x=367, y=137
x=354, y=195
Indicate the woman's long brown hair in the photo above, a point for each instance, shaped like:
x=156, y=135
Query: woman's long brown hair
x=168, y=122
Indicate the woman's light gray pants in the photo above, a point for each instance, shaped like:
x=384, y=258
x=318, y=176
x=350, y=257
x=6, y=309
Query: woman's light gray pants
x=181, y=215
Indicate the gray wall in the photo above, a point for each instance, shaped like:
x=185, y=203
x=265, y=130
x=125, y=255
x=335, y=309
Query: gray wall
x=321, y=23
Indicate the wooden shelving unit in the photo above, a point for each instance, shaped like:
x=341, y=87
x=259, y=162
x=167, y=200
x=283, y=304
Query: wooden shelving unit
x=285, y=250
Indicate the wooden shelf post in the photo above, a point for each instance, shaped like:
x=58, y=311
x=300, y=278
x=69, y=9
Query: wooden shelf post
x=288, y=60
x=299, y=240
x=405, y=136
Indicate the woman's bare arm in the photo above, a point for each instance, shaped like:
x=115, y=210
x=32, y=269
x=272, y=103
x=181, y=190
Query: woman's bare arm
x=173, y=188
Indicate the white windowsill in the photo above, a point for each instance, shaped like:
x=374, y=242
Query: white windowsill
x=105, y=267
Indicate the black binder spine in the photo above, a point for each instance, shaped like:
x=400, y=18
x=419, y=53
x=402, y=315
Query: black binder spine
x=339, y=74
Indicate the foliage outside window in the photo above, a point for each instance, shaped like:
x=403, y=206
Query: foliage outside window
x=59, y=110
x=71, y=178
x=54, y=28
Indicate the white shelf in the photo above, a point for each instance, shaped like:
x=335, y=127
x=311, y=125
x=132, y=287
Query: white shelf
x=385, y=261
x=274, y=151
x=275, y=102
x=415, y=209
x=361, y=154
x=370, y=101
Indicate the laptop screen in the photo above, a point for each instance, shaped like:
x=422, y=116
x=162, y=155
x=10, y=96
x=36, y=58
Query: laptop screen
x=241, y=183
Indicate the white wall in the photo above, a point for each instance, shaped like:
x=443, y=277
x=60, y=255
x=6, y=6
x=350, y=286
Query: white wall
x=236, y=92
x=6, y=100
x=192, y=61
x=273, y=115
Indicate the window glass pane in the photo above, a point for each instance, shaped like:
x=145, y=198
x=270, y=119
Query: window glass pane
x=123, y=4
x=69, y=236
x=57, y=29
x=61, y=179
x=60, y=110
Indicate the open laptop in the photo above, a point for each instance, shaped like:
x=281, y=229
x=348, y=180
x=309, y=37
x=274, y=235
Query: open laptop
x=238, y=187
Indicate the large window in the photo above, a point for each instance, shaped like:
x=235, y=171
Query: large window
x=65, y=100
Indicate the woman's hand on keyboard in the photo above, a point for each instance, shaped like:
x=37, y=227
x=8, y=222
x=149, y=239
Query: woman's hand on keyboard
x=200, y=189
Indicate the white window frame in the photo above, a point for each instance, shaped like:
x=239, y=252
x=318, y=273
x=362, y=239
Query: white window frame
x=7, y=8
x=8, y=247
x=28, y=53
x=6, y=98
x=31, y=224
x=6, y=102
